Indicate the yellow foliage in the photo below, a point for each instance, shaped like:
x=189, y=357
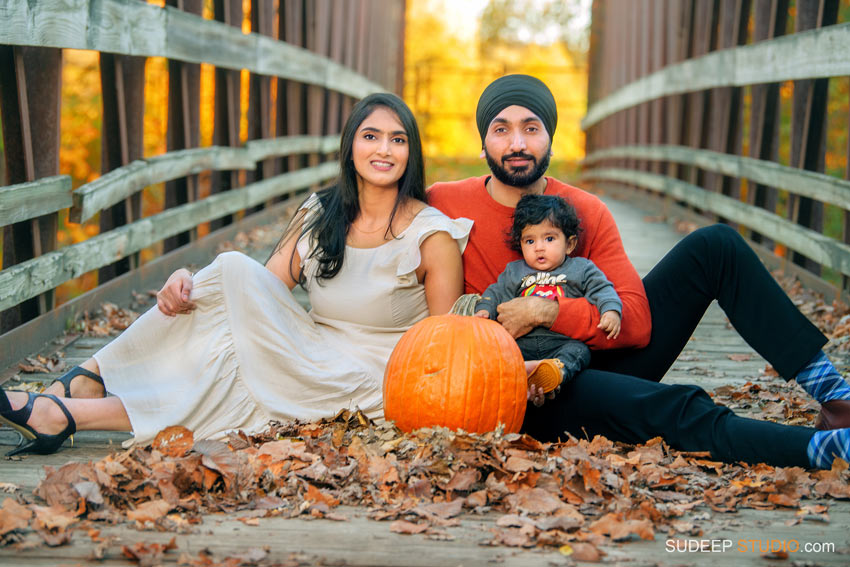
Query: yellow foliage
x=207, y=103
x=80, y=119
x=445, y=74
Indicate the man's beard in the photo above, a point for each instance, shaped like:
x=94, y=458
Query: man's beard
x=523, y=178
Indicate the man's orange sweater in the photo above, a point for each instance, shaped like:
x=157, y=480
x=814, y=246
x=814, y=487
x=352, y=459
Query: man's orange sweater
x=488, y=253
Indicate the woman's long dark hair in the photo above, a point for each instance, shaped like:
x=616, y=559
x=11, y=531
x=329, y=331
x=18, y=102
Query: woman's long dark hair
x=340, y=203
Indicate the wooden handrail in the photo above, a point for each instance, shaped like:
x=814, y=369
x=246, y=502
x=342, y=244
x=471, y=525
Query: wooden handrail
x=133, y=27
x=816, y=246
x=812, y=184
x=122, y=182
x=32, y=277
x=805, y=55
x=25, y=201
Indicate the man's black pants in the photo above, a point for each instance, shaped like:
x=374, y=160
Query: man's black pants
x=619, y=395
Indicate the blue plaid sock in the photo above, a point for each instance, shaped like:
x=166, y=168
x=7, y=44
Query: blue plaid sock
x=822, y=381
x=824, y=446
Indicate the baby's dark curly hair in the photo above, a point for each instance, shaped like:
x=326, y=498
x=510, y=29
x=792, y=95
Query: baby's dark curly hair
x=534, y=209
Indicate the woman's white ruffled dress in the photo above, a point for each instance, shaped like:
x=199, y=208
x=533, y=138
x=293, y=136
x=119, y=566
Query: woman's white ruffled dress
x=250, y=353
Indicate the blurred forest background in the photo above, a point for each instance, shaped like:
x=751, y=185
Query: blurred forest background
x=453, y=49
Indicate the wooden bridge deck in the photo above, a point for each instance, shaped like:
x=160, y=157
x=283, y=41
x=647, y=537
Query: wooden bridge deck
x=360, y=541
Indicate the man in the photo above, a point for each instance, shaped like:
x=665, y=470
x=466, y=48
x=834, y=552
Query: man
x=516, y=118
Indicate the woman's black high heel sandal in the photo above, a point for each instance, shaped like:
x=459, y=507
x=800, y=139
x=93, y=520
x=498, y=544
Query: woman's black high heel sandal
x=66, y=379
x=40, y=443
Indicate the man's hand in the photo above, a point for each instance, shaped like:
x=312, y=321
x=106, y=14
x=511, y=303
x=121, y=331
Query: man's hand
x=521, y=314
x=173, y=298
x=610, y=323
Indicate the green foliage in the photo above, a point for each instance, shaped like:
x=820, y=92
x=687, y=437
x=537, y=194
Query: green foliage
x=513, y=23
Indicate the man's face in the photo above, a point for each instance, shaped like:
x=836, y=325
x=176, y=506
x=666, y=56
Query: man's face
x=517, y=147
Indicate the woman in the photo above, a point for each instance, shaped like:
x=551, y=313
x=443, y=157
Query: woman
x=230, y=348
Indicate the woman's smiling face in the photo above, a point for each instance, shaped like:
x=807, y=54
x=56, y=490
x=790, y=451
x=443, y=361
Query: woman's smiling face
x=380, y=149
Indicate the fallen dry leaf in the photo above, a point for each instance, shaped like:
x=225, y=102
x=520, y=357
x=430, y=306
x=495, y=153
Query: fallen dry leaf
x=408, y=528
x=174, y=441
x=13, y=516
x=150, y=511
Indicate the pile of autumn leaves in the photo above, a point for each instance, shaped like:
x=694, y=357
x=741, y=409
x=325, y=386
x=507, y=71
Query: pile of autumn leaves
x=578, y=493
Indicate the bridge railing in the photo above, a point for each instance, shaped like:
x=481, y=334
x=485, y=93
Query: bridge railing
x=307, y=62
x=722, y=106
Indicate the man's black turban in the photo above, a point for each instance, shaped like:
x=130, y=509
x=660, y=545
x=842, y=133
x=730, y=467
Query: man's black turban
x=522, y=90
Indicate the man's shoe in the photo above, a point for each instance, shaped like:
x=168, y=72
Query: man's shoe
x=834, y=414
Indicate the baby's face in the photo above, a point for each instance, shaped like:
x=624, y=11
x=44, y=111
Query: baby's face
x=544, y=246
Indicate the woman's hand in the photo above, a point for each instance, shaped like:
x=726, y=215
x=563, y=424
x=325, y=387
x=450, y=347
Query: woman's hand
x=173, y=298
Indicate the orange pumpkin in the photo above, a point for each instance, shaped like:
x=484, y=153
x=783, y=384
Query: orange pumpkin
x=458, y=372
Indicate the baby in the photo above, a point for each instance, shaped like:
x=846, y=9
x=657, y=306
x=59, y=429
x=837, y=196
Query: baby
x=545, y=230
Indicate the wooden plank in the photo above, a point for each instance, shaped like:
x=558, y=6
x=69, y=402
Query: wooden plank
x=32, y=277
x=131, y=27
x=25, y=201
x=811, y=184
x=119, y=183
x=805, y=55
x=813, y=244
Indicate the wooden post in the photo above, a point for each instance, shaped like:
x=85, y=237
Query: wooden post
x=318, y=41
x=658, y=108
x=622, y=76
x=640, y=45
x=352, y=24
x=338, y=26
x=704, y=41
x=771, y=17
x=680, y=16
x=227, y=107
x=293, y=98
x=845, y=281
x=808, y=126
x=259, y=95
x=596, y=69
x=29, y=102
x=725, y=128
x=122, y=81
x=184, y=126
